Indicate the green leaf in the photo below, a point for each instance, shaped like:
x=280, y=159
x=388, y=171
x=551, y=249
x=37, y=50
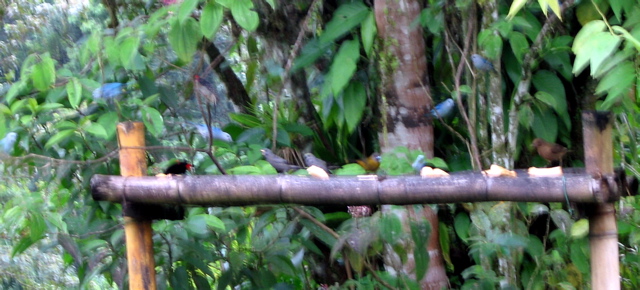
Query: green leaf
x=16, y=89
x=345, y=18
x=580, y=229
x=515, y=7
x=74, y=92
x=310, y=53
x=96, y=129
x=244, y=15
x=545, y=124
x=490, y=43
x=525, y=116
x=186, y=8
x=245, y=170
x=197, y=224
x=214, y=222
x=355, y=99
x=549, y=82
x=109, y=121
x=391, y=228
x=211, y=19
x=152, y=120
x=184, y=38
x=129, y=50
x=368, y=32
x=420, y=232
x=617, y=83
x=59, y=137
x=461, y=224
x=44, y=73
x=343, y=66
x=519, y=44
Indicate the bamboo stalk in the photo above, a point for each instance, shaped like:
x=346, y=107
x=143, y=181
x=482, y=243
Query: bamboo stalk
x=603, y=232
x=253, y=189
x=138, y=230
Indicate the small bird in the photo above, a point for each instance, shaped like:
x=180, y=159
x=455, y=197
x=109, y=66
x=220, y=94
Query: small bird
x=8, y=142
x=549, y=151
x=311, y=160
x=109, y=91
x=481, y=63
x=218, y=134
x=443, y=109
x=371, y=163
x=180, y=167
x=280, y=164
x=205, y=89
x=418, y=163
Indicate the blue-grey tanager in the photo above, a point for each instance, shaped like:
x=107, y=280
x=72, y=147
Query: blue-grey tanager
x=8, y=142
x=443, y=109
x=418, y=163
x=109, y=91
x=218, y=134
x=481, y=63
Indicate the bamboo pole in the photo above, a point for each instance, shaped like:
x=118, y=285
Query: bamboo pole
x=603, y=232
x=137, y=229
x=369, y=190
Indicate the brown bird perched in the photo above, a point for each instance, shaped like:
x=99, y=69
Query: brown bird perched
x=180, y=167
x=370, y=163
x=279, y=163
x=310, y=160
x=549, y=151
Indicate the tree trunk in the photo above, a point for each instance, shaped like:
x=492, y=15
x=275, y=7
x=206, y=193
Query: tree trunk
x=405, y=103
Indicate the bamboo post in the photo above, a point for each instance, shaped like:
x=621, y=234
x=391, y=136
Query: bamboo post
x=137, y=229
x=603, y=232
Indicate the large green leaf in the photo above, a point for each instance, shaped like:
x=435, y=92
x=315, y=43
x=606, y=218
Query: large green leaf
x=59, y=137
x=153, y=120
x=545, y=124
x=519, y=45
x=345, y=18
x=549, y=82
x=617, y=82
x=186, y=8
x=184, y=38
x=343, y=66
x=515, y=7
x=310, y=52
x=129, y=50
x=211, y=19
x=44, y=73
x=491, y=43
x=355, y=99
x=243, y=14
x=96, y=129
x=420, y=232
x=74, y=92
x=368, y=32
x=592, y=46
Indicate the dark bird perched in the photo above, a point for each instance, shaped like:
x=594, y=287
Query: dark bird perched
x=280, y=164
x=205, y=89
x=370, y=163
x=310, y=160
x=180, y=167
x=549, y=151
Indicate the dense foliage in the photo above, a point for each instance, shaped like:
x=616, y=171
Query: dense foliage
x=319, y=91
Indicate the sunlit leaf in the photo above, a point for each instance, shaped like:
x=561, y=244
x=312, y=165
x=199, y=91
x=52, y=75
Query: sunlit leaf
x=243, y=14
x=74, y=92
x=211, y=19
x=59, y=137
x=44, y=73
x=184, y=38
x=368, y=32
x=153, y=120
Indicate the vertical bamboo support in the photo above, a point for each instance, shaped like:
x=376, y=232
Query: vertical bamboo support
x=603, y=232
x=138, y=230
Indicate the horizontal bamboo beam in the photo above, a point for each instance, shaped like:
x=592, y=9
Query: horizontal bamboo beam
x=210, y=190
